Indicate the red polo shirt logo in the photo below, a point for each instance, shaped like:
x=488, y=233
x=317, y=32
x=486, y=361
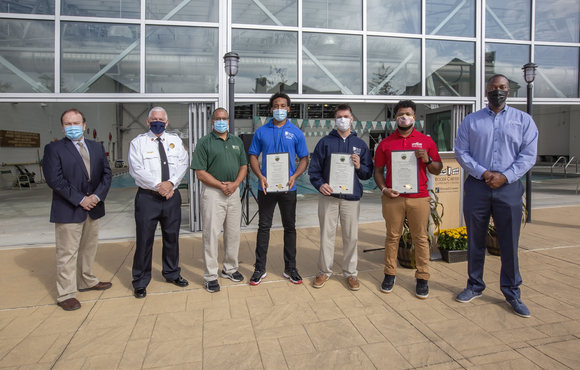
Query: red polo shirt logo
x=414, y=141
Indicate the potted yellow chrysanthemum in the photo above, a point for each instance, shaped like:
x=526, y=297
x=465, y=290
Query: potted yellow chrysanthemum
x=453, y=244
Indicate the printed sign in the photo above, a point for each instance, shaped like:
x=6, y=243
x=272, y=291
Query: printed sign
x=19, y=139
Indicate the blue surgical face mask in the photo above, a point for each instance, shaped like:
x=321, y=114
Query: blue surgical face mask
x=157, y=127
x=221, y=126
x=280, y=114
x=73, y=132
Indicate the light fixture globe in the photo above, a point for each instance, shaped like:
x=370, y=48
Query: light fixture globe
x=530, y=72
x=231, y=63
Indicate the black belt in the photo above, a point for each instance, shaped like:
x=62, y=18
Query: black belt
x=152, y=192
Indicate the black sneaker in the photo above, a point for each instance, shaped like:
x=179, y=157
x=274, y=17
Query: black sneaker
x=257, y=277
x=422, y=290
x=234, y=276
x=388, y=283
x=293, y=275
x=212, y=286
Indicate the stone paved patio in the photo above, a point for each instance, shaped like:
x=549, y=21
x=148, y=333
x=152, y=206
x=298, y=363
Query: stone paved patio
x=279, y=325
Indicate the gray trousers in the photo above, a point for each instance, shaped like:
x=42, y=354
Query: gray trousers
x=330, y=209
x=220, y=211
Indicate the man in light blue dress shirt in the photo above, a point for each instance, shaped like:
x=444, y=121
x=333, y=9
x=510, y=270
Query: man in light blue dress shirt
x=496, y=145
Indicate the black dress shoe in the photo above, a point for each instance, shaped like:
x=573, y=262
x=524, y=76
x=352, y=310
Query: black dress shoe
x=181, y=282
x=140, y=293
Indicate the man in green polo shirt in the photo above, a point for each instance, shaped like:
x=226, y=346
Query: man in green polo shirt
x=220, y=163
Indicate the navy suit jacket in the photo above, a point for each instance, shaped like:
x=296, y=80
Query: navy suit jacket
x=66, y=174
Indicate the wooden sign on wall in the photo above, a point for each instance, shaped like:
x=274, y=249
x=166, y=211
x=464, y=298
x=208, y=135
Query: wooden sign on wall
x=19, y=139
x=447, y=186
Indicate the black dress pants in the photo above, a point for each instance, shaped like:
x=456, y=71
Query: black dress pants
x=151, y=208
x=287, y=204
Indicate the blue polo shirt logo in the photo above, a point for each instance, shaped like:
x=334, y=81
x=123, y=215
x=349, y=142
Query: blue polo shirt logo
x=289, y=135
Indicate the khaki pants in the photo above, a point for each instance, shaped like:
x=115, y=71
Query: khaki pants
x=417, y=211
x=76, y=248
x=329, y=211
x=219, y=211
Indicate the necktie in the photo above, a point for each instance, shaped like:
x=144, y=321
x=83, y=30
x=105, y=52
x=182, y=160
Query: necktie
x=86, y=158
x=164, y=165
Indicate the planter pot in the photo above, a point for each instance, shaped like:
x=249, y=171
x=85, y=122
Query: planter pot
x=406, y=254
x=492, y=244
x=453, y=256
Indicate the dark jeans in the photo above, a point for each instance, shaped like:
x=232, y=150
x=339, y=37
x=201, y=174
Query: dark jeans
x=287, y=204
x=505, y=205
x=150, y=209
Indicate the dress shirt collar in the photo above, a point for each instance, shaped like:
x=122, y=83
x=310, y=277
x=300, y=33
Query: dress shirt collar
x=153, y=136
x=490, y=112
x=82, y=140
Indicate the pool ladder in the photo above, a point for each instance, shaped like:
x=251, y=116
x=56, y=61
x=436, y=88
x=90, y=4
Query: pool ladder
x=565, y=165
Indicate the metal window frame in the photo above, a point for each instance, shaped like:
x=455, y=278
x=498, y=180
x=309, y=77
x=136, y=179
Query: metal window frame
x=225, y=27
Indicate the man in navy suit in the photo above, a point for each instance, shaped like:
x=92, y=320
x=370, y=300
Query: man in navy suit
x=78, y=172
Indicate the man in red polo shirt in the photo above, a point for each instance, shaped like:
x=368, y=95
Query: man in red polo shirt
x=415, y=205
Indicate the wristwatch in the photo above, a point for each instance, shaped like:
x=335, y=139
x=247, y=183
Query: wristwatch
x=430, y=161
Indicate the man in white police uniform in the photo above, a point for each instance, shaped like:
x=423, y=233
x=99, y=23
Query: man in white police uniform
x=157, y=161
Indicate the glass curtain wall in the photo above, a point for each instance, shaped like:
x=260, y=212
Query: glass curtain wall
x=339, y=53
x=512, y=40
x=326, y=48
x=100, y=46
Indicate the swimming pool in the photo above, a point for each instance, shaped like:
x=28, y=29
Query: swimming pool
x=303, y=185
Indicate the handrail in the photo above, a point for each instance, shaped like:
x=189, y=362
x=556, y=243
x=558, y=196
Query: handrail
x=569, y=162
x=18, y=164
x=554, y=165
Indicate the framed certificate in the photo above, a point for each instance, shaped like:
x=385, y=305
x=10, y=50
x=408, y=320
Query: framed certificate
x=404, y=171
x=277, y=172
x=341, y=178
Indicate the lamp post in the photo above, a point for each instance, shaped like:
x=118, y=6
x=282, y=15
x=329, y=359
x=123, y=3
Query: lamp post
x=231, y=66
x=529, y=76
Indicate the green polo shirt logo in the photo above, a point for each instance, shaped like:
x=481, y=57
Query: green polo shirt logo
x=220, y=158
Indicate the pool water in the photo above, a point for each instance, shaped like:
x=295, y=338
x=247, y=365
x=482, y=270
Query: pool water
x=303, y=185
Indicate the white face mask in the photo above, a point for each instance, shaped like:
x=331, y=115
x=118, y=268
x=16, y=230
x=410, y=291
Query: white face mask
x=343, y=124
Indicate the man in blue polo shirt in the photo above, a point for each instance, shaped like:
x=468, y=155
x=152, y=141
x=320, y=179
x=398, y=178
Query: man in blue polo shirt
x=279, y=135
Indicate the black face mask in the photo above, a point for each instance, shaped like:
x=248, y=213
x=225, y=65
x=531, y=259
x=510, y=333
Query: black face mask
x=497, y=98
